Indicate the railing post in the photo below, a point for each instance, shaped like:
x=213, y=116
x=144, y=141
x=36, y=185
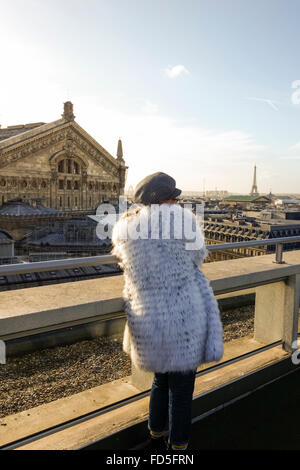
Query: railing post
x=291, y=313
x=279, y=250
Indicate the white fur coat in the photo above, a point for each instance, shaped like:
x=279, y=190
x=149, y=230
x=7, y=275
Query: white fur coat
x=173, y=319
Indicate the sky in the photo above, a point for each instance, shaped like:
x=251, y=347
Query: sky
x=202, y=90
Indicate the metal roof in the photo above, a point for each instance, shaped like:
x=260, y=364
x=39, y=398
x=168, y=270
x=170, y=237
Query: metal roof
x=4, y=236
x=244, y=198
x=19, y=207
x=58, y=239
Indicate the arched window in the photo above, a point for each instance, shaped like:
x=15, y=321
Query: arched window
x=69, y=166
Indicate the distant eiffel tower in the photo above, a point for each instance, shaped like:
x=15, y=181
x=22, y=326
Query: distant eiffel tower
x=254, y=191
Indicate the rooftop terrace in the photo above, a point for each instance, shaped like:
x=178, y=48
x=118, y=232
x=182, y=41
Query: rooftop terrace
x=113, y=415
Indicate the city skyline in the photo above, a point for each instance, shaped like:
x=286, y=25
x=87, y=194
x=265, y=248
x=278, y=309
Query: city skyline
x=199, y=90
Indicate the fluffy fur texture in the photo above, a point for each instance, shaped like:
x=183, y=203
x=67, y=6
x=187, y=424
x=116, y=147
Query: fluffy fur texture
x=173, y=318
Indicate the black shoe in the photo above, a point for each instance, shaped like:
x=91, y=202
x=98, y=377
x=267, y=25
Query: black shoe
x=156, y=446
x=174, y=451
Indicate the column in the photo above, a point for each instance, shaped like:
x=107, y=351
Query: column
x=276, y=312
x=140, y=378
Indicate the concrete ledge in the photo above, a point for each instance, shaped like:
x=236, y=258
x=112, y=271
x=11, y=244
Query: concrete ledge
x=88, y=328
x=46, y=306
x=237, y=274
x=41, y=417
x=109, y=325
x=38, y=307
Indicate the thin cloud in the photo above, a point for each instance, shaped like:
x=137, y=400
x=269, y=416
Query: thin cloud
x=290, y=157
x=176, y=71
x=295, y=147
x=149, y=107
x=155, y=142
x=267, y=101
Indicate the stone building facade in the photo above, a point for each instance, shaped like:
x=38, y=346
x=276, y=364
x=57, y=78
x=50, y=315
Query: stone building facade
x=59, y=163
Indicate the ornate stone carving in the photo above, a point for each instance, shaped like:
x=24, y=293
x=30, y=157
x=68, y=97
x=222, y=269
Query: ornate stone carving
x=65, y=140
x=68, y=114
x=74, y=141
x=84, y=176
x=54, y=174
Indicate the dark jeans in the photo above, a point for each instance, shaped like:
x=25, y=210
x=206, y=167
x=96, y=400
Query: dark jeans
x=171, y=400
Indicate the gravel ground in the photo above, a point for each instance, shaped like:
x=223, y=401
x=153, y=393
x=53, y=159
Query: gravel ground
x=46, y=375
x=238, y=322
x=43, y=376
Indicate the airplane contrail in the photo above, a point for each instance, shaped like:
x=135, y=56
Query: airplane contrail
x=265, y=100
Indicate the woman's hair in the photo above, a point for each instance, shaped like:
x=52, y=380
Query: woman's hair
x=131, y=212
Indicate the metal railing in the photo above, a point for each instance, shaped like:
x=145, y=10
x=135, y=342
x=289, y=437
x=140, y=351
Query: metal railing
x=71, y=263
x=278, y=242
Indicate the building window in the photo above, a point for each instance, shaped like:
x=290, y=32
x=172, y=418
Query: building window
x=61, y=166
x=68, y=202
x=76, y=201
x=60, y=201
x=76, y=185
x=76, y=168
x=68, y=162
x=68, y=166
x=60, y=184
x=69, y=184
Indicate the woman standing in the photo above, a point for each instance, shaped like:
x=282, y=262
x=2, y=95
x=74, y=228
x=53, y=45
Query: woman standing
x=173, y=320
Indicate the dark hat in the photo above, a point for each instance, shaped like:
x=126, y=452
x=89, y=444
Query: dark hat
x=155, y=189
